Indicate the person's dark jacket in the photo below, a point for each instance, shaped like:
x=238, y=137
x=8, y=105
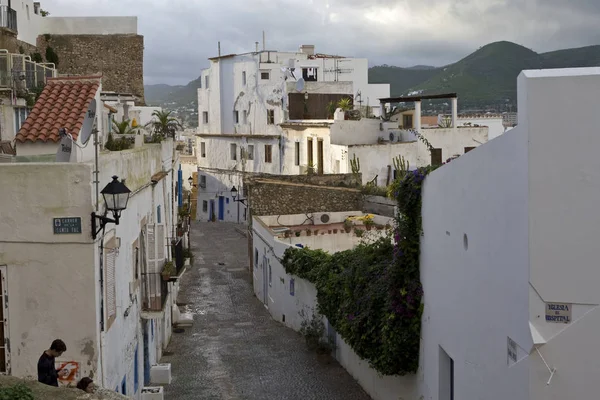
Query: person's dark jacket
x=47, y=372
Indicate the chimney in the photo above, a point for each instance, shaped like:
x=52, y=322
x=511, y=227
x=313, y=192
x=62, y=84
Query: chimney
x=308, y=49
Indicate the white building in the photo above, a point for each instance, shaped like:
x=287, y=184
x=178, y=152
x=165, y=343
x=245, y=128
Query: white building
x=509, y=252
x=103, y=295
x=247, y=103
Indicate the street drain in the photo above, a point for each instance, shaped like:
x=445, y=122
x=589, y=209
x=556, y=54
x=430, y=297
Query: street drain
x=167, y=353
x=221, y=263
x=178, y=330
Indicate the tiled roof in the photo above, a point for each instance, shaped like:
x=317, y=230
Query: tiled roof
x=62, y=104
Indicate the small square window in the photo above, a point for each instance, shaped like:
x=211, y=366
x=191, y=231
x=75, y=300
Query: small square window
x=264, y=76
x=244, y=78
x=244, y=117
x=250, y=152
x=297, y=153
x=202, y=181
x=233, y=151
x=204, y=206
x=270, y=117
x=226, y=200
x=205, y=117
x=236, y=117
x=203, y=149
x=206, y=82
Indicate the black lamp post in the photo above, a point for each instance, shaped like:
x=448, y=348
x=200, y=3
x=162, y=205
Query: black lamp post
x=234, y=195
x=116, y=195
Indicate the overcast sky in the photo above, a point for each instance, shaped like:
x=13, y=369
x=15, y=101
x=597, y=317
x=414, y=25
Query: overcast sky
x=180, y=35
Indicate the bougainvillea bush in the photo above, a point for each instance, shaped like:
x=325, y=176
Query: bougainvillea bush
x=372, y=293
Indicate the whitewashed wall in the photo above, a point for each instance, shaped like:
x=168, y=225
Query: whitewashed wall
x=474, y=256
x=41, y=265
x=286, y=300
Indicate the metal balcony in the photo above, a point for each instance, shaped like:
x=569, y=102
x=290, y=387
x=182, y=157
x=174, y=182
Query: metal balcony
x=18, y=72
x=8, y=18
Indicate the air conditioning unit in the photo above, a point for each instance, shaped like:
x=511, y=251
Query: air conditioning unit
x=321, y=218
x=153, y=393
x=160, y=374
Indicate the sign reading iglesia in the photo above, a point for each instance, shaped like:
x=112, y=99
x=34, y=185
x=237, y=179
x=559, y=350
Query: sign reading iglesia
x=559, y=313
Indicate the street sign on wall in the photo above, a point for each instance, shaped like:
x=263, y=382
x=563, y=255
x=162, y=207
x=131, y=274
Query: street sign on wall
x=66, y=225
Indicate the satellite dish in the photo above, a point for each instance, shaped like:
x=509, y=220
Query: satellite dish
x=63, y=154
x=88, y=122
x=300, y=85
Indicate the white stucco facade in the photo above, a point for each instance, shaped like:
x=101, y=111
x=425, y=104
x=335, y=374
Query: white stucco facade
x=90, y=293
x=524, y=235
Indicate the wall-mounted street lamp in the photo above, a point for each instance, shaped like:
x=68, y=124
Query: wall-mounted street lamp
x=116, y=195
x=234, y=195
x=191, y=182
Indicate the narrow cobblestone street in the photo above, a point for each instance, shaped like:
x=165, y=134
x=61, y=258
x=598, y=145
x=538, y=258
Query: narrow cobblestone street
x=234, y=349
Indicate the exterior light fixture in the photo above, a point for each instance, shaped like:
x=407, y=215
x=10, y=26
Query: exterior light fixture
x=116, y=195
x=305, y=95
x=191, y=182
x=234, y=195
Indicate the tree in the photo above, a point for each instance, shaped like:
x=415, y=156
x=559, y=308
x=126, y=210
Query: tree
x=123, y=128
x=164, y=124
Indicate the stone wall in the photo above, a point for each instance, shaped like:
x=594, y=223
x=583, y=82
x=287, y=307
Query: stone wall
x=380, y=205
x=277, y=197
x=9, y=41
x=119, y=58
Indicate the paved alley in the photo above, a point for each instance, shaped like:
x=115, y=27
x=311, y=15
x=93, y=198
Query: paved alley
x=235, y=350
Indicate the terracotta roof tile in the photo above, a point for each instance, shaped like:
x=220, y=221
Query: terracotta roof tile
x=62, y=104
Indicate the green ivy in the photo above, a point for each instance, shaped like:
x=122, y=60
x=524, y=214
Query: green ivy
x=372, y=294
x=16, y=392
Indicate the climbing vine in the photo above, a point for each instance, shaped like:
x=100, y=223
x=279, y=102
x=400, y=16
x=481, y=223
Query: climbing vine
x=372, y=293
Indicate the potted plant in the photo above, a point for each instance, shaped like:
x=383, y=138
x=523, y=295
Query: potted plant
x=286, y=234
x=347, y=225
x=308, y=232
x=168, y=270
x=335, y=231
x=297, y=233
x=358, y=232
x=316, y=232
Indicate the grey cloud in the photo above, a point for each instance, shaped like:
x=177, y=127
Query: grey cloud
x=181, y=34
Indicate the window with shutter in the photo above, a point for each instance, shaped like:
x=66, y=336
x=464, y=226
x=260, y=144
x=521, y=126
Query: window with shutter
x=151, y=248
x=110, y=300
x=160, y=246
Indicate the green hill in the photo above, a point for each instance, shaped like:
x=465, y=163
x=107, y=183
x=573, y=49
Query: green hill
x=488, y=77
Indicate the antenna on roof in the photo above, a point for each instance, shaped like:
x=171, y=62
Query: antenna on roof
x=256, y=44
x=219, y=45
x=264, y=41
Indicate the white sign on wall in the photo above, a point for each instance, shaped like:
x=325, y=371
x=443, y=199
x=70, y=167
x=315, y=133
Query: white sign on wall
x=559, y=313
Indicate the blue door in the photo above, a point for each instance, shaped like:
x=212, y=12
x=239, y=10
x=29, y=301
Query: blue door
x=221, y=208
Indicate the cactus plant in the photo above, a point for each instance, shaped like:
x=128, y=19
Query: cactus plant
x=401, y=166
x=355, y=165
